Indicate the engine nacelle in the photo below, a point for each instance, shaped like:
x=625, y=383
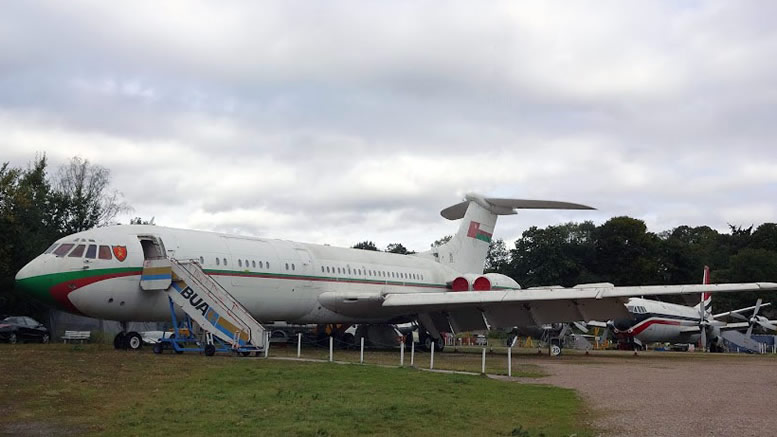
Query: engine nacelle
x=499, y=280
x=487, y=282
x=463, y=282
x=481, y=283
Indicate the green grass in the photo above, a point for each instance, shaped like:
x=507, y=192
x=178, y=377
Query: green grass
x=96, y=390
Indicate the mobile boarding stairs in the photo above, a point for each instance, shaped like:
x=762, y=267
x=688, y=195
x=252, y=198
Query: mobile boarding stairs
x=227, y=324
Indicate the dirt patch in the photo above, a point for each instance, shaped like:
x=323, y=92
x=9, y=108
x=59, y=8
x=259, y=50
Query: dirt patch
x=655, y=395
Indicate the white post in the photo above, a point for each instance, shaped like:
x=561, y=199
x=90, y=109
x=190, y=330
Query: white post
x=431, y=359
x=510, y=361
x=299, y=344
x=483, y=363
x=412, y=353
x=331, y=347
x=402, y=355
x=266, y=344
x=361, y=354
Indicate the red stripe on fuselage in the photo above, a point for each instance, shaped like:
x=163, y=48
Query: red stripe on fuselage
x=61, y=291
x=637, y=329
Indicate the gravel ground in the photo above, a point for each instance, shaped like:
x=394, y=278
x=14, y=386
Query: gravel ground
x=672, y=394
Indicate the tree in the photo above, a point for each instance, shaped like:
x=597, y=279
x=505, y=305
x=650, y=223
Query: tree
x=83, y=197
x=441, y=241
x=365, y=245
x=25, y=228
x=140, y=221
x=765, y=237
x=626, y=253
x=557, y=255
x=498, y=258
x=749, y=265
x=684, y=251
x=397, y=248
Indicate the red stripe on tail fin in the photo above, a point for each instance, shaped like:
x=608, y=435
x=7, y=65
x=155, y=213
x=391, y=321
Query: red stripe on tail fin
x=706, y=298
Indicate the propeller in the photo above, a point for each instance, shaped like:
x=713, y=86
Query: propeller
x=755, y=319
x=703, y=324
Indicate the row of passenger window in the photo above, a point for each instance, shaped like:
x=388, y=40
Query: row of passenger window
x=372, y=273
x=250, y=264
x=241, y=263
x=71, y=250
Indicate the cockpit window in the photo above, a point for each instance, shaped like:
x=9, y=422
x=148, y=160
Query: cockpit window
x=51, y=248
x=91, y=251
x=105, y=252
x=78, y=252
x=63, y=249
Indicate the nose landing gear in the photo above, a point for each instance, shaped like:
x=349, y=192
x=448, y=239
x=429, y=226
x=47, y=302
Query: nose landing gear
x=127, y=340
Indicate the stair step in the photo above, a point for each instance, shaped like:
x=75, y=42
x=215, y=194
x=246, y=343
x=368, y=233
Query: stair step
x=213, y=307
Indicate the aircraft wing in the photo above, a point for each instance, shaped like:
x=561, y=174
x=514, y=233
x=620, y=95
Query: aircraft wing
x=741, y=310
x=471, y=310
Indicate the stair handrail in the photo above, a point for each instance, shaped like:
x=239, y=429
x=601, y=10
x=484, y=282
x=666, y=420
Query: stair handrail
x=203, y=280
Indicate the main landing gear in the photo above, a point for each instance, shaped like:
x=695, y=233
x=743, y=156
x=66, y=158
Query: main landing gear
x=427, y=340
x=127, y=340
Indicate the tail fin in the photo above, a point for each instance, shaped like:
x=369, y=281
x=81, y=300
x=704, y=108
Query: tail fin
x=706, y=298
x=466, y=251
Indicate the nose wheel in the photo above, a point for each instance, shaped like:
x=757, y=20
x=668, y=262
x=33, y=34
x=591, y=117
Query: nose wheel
x=130, y=340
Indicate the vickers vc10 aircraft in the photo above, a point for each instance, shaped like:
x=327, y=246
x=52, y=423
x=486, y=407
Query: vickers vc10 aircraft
x=110, y=273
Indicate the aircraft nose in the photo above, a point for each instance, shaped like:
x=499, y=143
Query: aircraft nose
x=26, y=272
x=31, y=281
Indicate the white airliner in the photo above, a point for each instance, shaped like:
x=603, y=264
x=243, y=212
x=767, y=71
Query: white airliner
x=653, y=321
x=98, y=273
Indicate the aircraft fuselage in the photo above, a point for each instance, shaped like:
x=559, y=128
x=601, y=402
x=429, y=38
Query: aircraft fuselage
x=275, y=280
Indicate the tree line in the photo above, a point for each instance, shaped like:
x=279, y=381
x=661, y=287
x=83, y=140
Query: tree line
x=622, y=251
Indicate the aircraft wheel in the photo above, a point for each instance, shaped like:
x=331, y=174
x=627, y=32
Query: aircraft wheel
x=134, y=341
x=157, y=348
x=44, y=339
x=427, y=343
x=439, y=344
x=13, y=339
x=118, y=341
x=210, y=350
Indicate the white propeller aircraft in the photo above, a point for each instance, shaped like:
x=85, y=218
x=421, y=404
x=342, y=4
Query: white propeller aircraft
x=652, y=321
x=98, y=273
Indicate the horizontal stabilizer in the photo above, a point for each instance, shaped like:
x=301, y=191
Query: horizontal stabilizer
x=505, y=206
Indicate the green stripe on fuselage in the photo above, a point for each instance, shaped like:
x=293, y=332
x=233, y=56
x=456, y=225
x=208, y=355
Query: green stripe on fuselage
x=39, y=286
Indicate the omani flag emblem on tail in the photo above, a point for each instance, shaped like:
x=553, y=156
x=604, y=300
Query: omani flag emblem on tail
x=476, y=232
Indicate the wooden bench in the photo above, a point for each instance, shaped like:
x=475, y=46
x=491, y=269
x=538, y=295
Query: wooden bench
x=81, y=336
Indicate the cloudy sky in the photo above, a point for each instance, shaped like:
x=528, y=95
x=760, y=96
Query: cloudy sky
x=335, y=122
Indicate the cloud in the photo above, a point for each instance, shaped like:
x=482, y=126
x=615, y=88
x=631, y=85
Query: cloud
x=361, y=120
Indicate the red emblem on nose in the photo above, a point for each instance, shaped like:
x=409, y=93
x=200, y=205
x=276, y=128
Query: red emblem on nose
x=120, y=252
